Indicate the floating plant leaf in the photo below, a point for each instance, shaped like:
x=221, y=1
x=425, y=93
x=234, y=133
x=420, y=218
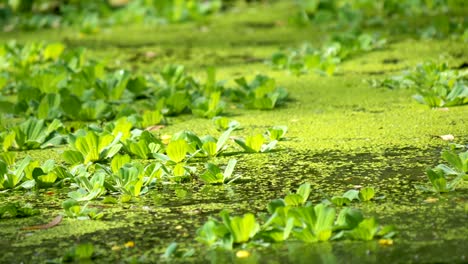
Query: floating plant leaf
x=340, y=200
x=255, y=144
x=366, y=230
x=300, y=197
x=11, y=175
x=92, y=147
x=348, y=218
x=34, y=134
x=277, y=132
x=366, y=193
x=177, y=150
x=316, y=222
x=214, y=175
x=242, y=229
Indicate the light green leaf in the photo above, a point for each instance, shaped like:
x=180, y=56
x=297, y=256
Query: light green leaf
x=242, y=229
x=366, y=193
x=177, y=150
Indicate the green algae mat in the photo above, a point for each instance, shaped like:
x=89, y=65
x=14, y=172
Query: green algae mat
x=248, y=137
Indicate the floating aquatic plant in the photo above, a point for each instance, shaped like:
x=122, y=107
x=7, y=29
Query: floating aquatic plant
x=229, y=231
x=213, y=173
x=261, y=93
x=255, y=143
x=445, y=178
x=33, y=134
x=292, y=217
x=435, y=83
x=88, y=146
x=12, y=173
x=17, y=210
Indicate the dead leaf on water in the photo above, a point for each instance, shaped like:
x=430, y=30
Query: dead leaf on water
x=431, y=200
x=447, y=137
x=150, y=54
x=154, y=128
x=442, y=109
x=51, y=224
x=116, y=248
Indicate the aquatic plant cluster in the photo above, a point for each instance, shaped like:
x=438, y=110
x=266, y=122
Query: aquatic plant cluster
x=357, y=14
x=294, y=217
x=64, y=86
x=435, y=83
x=90, y=16
x=325, y=60
x=445, y=178
x=104, y=122
x=67, y=85
x=125, y=158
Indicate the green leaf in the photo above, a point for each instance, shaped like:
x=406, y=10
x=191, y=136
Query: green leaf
x=366, y=194
x=453, y=159
x=351, y=195
x=304, y=192
x=211, y=233
x=209, y=148
x=366, y=230
x=123, y=127
x=94, y=147
x=293, y=200
x=255, y=142
x=242, y=229
x=177, y=150
x=318, y=222
x=348, y=218
x=340, y=201
x=8, y=157
x=88, y=146
x=436, y=177
x=229, y=169
x=268, y=147
x=73, y=157
x=277, y=132
x=212, y=175
x=53, y=51
x=243, y=145
x=151, y=118
x=34, y=134
x=324, y=222
x=49, y=107
x=220, y=144
x=118, y=161
x=9, y=141
x=84, y=251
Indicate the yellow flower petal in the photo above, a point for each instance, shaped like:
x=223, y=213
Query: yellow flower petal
x=242, y=254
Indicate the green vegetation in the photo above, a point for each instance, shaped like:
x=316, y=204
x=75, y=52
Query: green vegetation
x=445, y=178
x=17, y=210
x=436, y=84
x=325, y=60
x=134, y=129
x=290, y=216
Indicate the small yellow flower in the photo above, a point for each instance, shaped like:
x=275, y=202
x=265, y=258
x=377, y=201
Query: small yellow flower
x=242, y=254
x=385, y=242
x=129, y=244
x=166, y=138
